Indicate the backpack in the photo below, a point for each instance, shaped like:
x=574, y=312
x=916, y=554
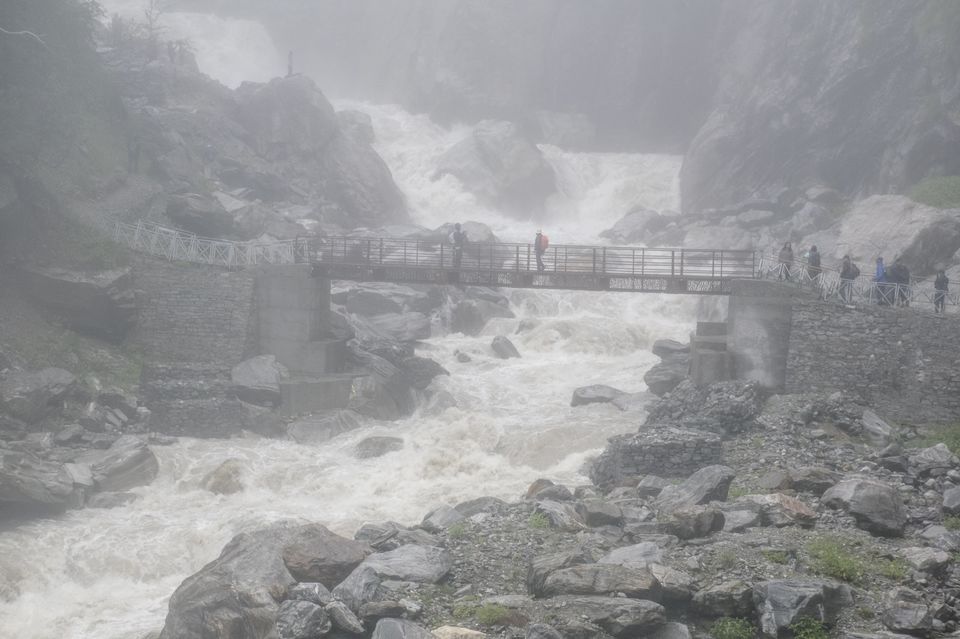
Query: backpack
x=544, y=242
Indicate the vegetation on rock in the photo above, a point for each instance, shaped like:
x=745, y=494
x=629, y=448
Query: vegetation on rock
x=938, y=192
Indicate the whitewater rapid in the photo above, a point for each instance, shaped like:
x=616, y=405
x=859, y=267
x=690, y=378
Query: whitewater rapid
x=492, y=427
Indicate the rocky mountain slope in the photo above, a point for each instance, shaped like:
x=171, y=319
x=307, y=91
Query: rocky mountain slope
x=859, y=96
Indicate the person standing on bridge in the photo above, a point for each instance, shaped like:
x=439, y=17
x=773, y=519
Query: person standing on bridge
x=458, y=239
x=540, y=244
x=848, y=273
x=884, y=294
x=940, y=285
x=813, y=266
x=786, y=260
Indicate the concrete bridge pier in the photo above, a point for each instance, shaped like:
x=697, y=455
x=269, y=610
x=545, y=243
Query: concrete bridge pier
x=293, y=307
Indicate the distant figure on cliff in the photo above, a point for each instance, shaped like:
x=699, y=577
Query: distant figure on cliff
x=786, y=259
x=457, y=239
x=290, y=64
x=848, y=273
x=540, y=245
x=941, y=285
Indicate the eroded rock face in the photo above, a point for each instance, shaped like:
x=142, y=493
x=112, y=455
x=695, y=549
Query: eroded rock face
x=877, y=506
x=27, y=480
x=33, y=396
x=780, y=603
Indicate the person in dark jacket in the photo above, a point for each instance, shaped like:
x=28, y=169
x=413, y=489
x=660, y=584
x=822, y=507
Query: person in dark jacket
x=540, y=245
x=884, y=290
x=813, y=263
x=458, y=239
x=785, y=257
x=941, y=285
x=848, y=273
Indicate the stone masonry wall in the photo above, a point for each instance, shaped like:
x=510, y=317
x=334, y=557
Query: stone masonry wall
x=903, y=362
x=192, y=313
x=662, y=450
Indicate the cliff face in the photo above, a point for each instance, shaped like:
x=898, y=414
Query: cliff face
x=861, y=95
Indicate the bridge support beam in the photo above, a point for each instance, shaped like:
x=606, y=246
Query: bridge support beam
x=758, y=327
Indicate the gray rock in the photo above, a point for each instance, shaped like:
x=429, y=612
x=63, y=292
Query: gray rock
x=671, y=630
x=812, y=479
x=651, y=486
x=504, y=348
x=561, y=515
x=941, y=538
x=399, y=629
x=420, y=371
x=724, y=408
x=635, y=556
x=779, y=603
x=597, y=512
x=595, y=394
x=935, y=460
x=694, y=522
x=928, y=560
x=951, y=500
x=876, y=506
x=257, y=380
x=543, y=566
x=374, y=611
x=621, y=617
x=377, y=446
x=557, y=492
x=441, y=518
x=726, y=599
x=225, y=479
x=904, y=611
x=343, y=618
x=665, y=376
x=323, y=556
x=420, y=564
x=664, y=348
x=317, y=429
x=201, y=214
x=403, y=327
x=739, y=517
x=634, y=226
x=480, y=505
x=677, y=587
x=705, y=485
x=241, y=588
x=470, y=316
x=28, y=480
x=777, y=509
x=70, y=434
x=501, y=167
x=312, y=591
x=542, y=631
x=128, y=463
x=601, y=579
x=357, y=125
x=33, y=396
x=301, y=620
x=876, y=431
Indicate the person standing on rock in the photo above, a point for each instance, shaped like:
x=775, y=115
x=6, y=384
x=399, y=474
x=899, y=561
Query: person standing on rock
x=848, y=273
x=458, y=239
x=786, y=259
x=540, y=244
x=940, y=285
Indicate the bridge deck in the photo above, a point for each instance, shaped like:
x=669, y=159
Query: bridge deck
x=595, y=268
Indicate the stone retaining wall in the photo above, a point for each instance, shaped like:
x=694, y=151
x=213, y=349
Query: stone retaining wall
x=190, y=313
x=656, y=450
x=903, y=362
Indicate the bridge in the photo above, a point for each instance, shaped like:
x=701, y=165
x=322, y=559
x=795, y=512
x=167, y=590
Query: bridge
x=513, y=265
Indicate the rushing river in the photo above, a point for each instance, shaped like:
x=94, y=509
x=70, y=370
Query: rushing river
x=107, y=574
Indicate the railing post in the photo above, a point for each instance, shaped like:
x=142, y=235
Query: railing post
x=441, y=254
x=381, y=251
x=594, y=260
x=681, y=262
x=518, y=258
x=603, y=261
x=673, y=260
x=528, y=257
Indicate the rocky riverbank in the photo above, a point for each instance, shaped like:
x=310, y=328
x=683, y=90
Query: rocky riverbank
x=816, y=517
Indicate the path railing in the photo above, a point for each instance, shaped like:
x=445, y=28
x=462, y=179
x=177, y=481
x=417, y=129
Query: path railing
x=177, y=245
x=862, y=290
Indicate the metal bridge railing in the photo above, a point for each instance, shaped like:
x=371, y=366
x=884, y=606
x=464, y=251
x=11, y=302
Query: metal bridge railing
x=177, y=245
x=477, y=256
x=862, y=290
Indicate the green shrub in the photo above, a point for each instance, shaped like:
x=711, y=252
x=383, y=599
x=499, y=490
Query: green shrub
x=949, y=435
x=726, y=560
x=938, y=192
x=492, y=615
x=732, y=628
x=457, y=530
x=831, y=558
x=776, y=556
x=808, y=628
x=894, y=569
x=539, y=521
x=951, y=522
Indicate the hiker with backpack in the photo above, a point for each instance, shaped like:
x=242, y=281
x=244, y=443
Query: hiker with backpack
x=848, y=273
x=540, y=245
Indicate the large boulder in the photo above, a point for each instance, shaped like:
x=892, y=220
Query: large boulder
x=706, y=485
x=638, y=555
x=236, y=595
x=779, y=603
x=934, y=460
x=298, y=619
x=618, y=616
x=905, y=611
x=99, y=303
x=594, y=394
x=634, y=227
x=31, y=396
x=225, y=479
x=27, y=480
x=877, y=506
x=257, y=380
x=666, y=375
x=128, y=463
x=402, y=327
x=200, y=213
x=502, y=168
x=400, y=629
x=470, y=316
x=504, y=348
x=419, y=564
x=601, y=579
